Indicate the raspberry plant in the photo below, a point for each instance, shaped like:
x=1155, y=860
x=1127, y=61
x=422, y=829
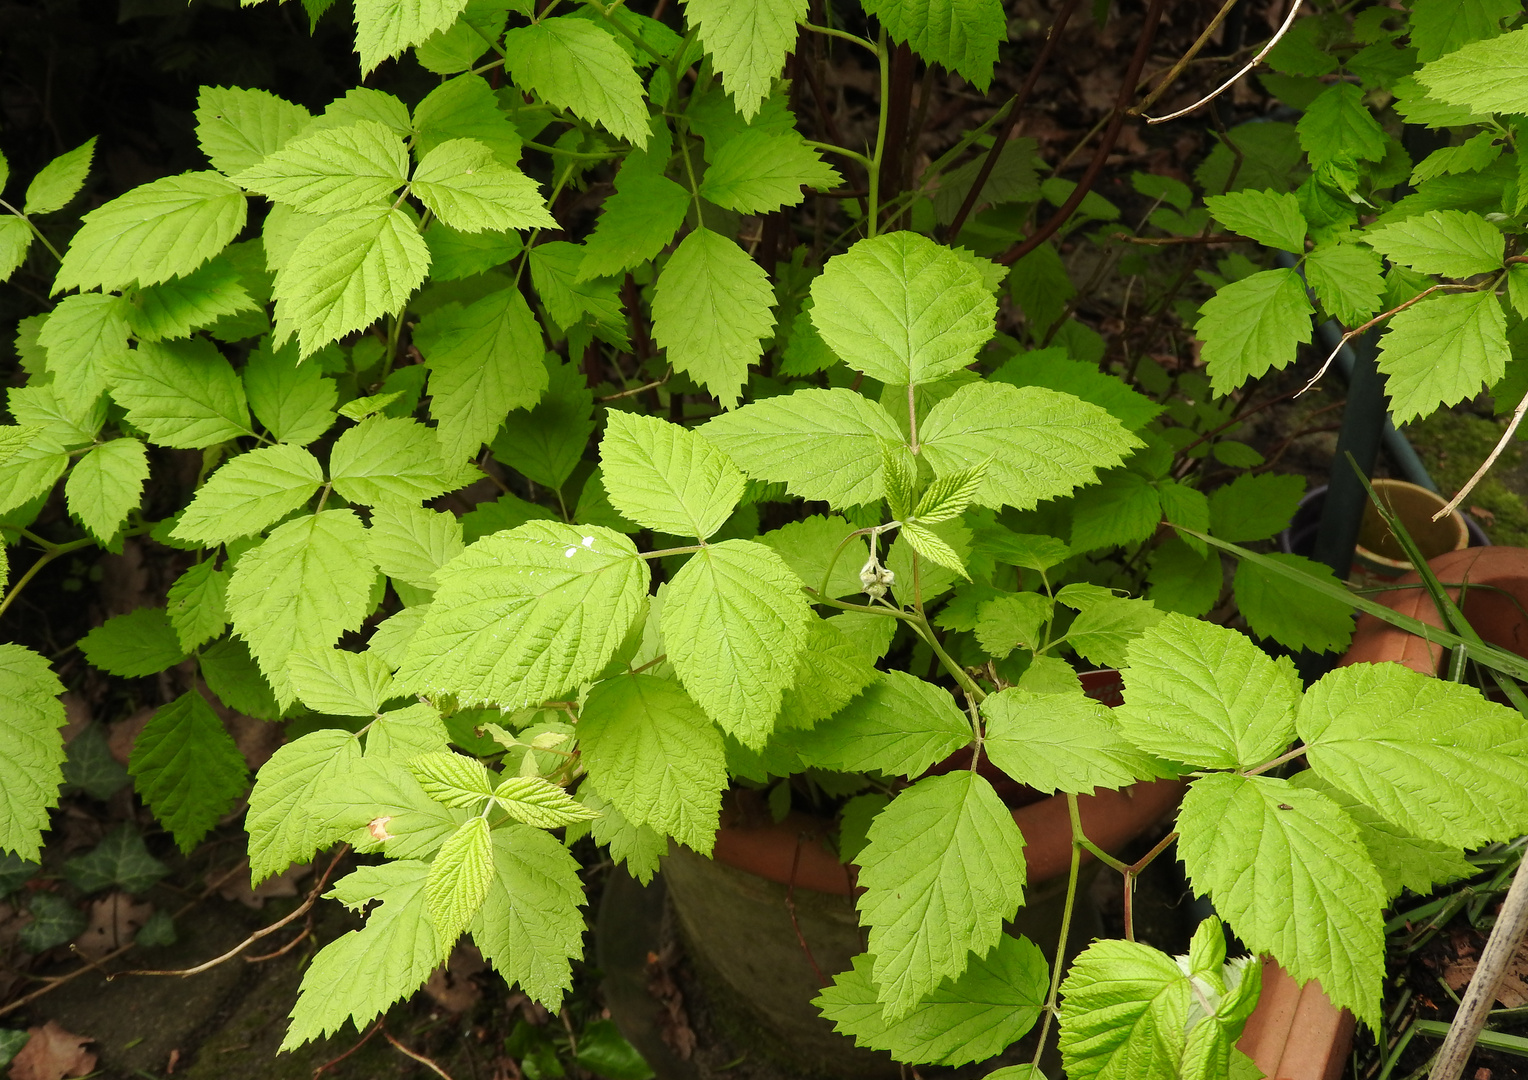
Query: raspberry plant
x=824, y=519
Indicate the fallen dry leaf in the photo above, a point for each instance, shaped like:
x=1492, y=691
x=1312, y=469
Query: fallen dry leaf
x=451, y=985
x=238, y=888
x=53, y=1054
x=114, y=919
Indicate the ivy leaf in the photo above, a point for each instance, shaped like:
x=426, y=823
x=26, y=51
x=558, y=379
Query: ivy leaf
x=307, y=584
x=1296, y=618
x=1310, y=895
x=666, y=477
x=197, y=604
x=735, y=623
x=758, y=172
x=121, y=860
x=283, y=828
x=962, y=35
x=339, y=682
x=899, y=726
x=248, y=493
x=384, y=28
x=361, y=974
x=31, y=768
x=747, y=43
x=410, y=543
x=575, y=65
x=1385, y=733
x=1442, y=351
x=902, y=308
x=1207, y=696
x=1038, y=443
x=972, y=1018
x=333, y=170
x=238, y=128
x=468, y=189
x=292, y=399
x=155, y=232
x=59, y=180
x=944, y=867
x=1271, y=218
x=823, y=444
x=1338, y=126
x=183, y=394
x=383, y=459
x=559, y=598
x=459, y=880
x=1486, y=76
x=187, y=768
x=182, y=304
x=1253, y=325
x=1061, y=742
x=529, y=925
x=347, y=273
x=1454, y=243
x=635, y=223
x=1348, y=279
x=711, y=308
x=134, y=645
x=485, y=359
x=1254, y=506
x=105, y=484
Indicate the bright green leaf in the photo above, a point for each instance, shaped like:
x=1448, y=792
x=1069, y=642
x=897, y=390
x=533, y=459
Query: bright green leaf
x=282, y=826
x=1271, y=218
x=250, y=492
x=176, y=307
x=1348, y=279
x=468, y=189
x=339, y=682
x=59, y=180
x=635, y=223
x=197, y=604
x=899, y=725
x=1454, y=243
x=758, y=172
x=31, y=715
x=383, y=460
x=747, y=43
x=187, y=768
x=529, y=926
x=1254, y=506
x=410, y=543
x=962, y=35
x=292, y=399
x=459, y=880
x=1441, y=351
x=1253, y=325
x=576, y=65
x=238, y=128
x=384, y=28
x=1338, y=126
x=105, y=484
x=140, y=643
x=1060, y=742
x=183, y=394
x=1487, y=76
x=666, y=477
x=1295, y=618
x=84, y=336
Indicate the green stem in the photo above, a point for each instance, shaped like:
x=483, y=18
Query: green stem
x=1066, y=928
x=832, y=31
x=689, y=171
x=872, y=205
x=1079, y=839
x=575, y=155
x=839, y=550
x=35, y=230
x=50, y=552
x=921, y=627
x=834, y=148
x=1298, y=751
x=689, y=550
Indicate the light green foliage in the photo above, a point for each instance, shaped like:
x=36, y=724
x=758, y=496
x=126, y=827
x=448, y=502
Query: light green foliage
x=383, y=460
x=105, y=484
x=384, y=28
x=358, y=976
x=461, y=783
x=1270, y=218
x=975, y=1017
x=638, y=846
x=1012, y=620
x=187, y=768
x=1442, y=351
x=1470, y=156
x=59, y=180
x=1348, y=280
x=747, y=43
x=1294, y=617
x=30, y=769
x=1338, y=127
x=822, y=444
x=1439, y=27
x=1309, y=894
x=333, y=170
x=538, y=802
x=244, y=496
x=808, y=547
x=902, y=309
x=238, y=128
x=735, y=622
x=406, y=733
x=300, y=590
x=833, y=669
x=572, y=303
x=944, y=867
x=15, y=240
x=1124, y=508
x=183, y=394
x=560, y=598
x=1428, y=728
x=1106, y=624
x=963, y=35
x=456, y=48
x=459, y=880
x=654, y=755
x=1487, y=76
x=186, y=303
x=1455, y=243
x=348, y=272
x=710, y=310
x=546, y=444
x=665, y=477
x=1253, y=325
x=1038, y=444
x=529, y=925
x=197, y=604
x=292, y=399
x=153, y=233
x=282, y=826
x=142, y=642
x=464, y=108
x=1207, y=696
x=485, y=359
x=1061, y=742
x=635, y=224
x=469, y=190
x=899, y=725
x=410, y=543
x=1254, y=506
x=758, y=171
x=579, y=66
x=339, y=682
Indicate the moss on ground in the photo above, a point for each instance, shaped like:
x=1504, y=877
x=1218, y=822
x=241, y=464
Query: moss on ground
x=1452, y=445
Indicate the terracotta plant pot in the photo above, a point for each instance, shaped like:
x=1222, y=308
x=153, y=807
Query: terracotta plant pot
x=1296, y=1032
x=771, y=918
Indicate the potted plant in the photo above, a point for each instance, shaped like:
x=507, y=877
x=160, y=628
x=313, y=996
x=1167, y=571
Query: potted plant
x=711, y=587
